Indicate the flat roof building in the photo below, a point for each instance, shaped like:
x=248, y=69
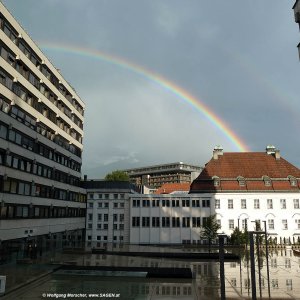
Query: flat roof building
x=156, y=175
x=41, y=131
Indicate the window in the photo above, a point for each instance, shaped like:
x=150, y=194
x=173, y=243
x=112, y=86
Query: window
x=146, y=203
x=297, y=223
x=155, y=222
x=243, y=204
x=115, y=218
x=135, y=203
x=256, y=203
x=106, y=204
x=231, y=224
x=105, y=226
x=175, y=222
x=273, y=263
x=267, y=181
x=275, y=284
x=116, y=205
x=175, y=203
x=283, y=203
x=195, y=203
x=244, y=224
x=145, y=221
x=217, y=203
x=165, y=222
x=106, y=196
x=90, y=217
x=185, y=222
x=296, y=203
x=287, y=263
x=270, y=203
x=241, y=181
x=185, y=203
x=121, y=217
x=216, y=182
x=196, y=222
x=116, y=196
x=105, y=217
x=206, y=203
x=135, y=221
x=271, y=224
x=284, y=224
x=99, y=204
x=289, y=284
x=230, y=203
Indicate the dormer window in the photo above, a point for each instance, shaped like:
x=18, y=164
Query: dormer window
x=216, y=180
x=267, y=181
x=293, y=180
x=241, y=180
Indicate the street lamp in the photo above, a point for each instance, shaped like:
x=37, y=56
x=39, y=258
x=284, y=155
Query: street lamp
x=267, y=258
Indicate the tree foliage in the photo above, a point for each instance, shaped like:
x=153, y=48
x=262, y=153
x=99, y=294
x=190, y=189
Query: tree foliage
x=210, y=229
x=239, y=237
x=117, y=176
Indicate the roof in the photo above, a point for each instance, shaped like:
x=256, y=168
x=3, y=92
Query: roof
x=108, y=185
x=169, y=188
x=252, y=167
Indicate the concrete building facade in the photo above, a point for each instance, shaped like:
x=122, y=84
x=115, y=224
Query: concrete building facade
x=155, y=176
x=107, y=219
x=41, y=131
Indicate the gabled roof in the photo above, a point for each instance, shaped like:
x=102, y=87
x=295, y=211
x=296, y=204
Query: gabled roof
x=253, y=167
x=169, y=188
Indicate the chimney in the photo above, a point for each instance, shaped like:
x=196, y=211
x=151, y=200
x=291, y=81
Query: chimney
x=277, y=154
x=218, y=150
x=270, y=149
x=85, y=177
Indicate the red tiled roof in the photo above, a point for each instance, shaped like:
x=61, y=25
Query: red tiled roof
x=250, y=165
x=169, y=188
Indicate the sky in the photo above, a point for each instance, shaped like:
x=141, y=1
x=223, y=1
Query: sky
x=160, y=62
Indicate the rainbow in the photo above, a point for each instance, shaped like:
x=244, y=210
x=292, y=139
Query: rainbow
x=158, y=79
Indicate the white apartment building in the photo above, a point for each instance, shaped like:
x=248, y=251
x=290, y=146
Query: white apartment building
x=107, y=217
x=253, y=186
x=168, y=218
x=41, y=130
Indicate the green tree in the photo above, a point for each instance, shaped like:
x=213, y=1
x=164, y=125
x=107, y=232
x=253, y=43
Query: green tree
x=238, y=237
x=209, y=229
x=117, y=176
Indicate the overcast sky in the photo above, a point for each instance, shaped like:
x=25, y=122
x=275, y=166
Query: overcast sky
x=239, y=57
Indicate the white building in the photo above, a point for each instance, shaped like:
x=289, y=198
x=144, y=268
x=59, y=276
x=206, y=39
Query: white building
x=252, y=186
x=168, y=218
x=41, y=130
x=240, y=188
x=107, y=219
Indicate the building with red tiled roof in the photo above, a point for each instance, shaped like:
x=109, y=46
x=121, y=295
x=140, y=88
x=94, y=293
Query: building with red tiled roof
x=252, y=186
x=172, y=188
x=248, y=172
